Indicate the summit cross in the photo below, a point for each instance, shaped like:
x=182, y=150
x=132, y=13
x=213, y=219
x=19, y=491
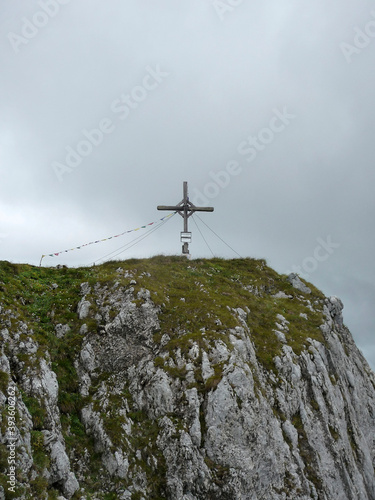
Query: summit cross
x=185, y=208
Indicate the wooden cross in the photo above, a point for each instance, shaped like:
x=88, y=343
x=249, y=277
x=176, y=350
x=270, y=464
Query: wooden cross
x=185, y=208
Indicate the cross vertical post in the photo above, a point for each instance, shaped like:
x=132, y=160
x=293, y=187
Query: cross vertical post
x=186, y=209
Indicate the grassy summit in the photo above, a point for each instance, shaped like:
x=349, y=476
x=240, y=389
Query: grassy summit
x=192, y=295
x=200, y=302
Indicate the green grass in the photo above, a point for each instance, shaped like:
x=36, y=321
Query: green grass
x=4, y=381
x=213, y=381
x=41, y=460
x=37, y=411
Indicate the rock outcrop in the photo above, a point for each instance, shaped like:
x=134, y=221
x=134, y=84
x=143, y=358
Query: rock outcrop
x=176, y=379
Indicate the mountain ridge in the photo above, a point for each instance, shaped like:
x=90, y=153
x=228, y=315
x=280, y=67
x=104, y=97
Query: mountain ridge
x=181, y=379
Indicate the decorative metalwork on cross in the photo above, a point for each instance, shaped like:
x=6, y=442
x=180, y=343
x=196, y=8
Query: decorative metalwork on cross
x=185, y=208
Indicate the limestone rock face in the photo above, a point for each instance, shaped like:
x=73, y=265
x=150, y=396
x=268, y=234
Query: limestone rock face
x=37, y=381
x=249, y=388
x=296, y=282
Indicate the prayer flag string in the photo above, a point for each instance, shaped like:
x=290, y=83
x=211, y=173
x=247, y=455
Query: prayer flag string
x=55, y=254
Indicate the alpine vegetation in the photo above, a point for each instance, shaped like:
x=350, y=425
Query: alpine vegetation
x=169, y=378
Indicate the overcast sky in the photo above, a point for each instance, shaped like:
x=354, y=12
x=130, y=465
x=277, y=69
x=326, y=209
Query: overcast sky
x=265, y=108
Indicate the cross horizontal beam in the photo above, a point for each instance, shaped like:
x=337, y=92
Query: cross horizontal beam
x=190, y=208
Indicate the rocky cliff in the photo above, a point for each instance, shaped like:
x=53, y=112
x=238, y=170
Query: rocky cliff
x=174, y=379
